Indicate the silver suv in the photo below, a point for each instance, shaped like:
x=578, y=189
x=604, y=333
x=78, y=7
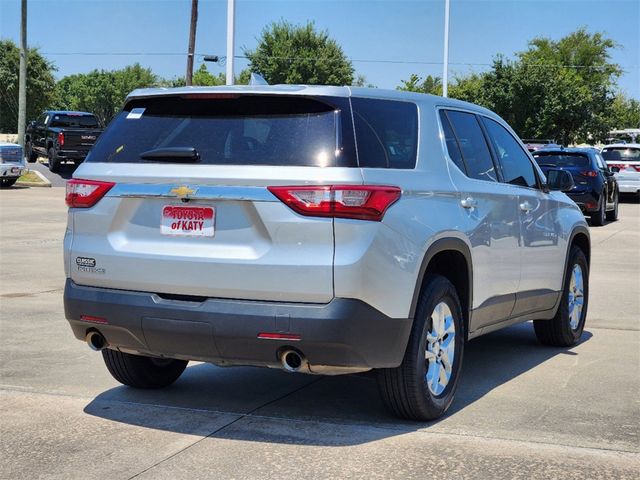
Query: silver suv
x=324, y=230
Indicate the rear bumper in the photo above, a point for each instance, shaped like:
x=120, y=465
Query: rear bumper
x=71, y=155
x=629, y=187
x=587, y=201
x=342, y=333
x=11, y=170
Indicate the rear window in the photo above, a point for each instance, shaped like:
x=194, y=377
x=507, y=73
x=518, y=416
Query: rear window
x=74, y=121
x=621, y=154
x=386, y=133
x=563, y=160
x=233, y=130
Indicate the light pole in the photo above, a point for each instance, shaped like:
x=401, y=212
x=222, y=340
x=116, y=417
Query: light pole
x=22, y=81
x=188, y=80
x=445, y=66
x=231, y=14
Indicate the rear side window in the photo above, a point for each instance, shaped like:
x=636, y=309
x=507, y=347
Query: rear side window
x=386, y=133
x=516, y=166
x=473, y=145
x=233, y=130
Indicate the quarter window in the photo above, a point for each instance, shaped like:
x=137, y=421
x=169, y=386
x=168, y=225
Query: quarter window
x=516, y=166
x=473, y=145
x=386, y=132
x=452, y=143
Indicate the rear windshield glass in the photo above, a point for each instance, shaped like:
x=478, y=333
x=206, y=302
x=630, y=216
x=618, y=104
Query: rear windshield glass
x=232, y=130
x=563, y=160
x=621, y=154
x=386, y=132
x=74, y=121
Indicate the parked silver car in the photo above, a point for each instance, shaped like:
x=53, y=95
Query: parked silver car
x=12, y=164
x=323, y=230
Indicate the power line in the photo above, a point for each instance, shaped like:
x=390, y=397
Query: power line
x=222, y=59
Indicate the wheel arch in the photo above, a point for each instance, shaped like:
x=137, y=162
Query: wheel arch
x=451, y=258
x=581, y=238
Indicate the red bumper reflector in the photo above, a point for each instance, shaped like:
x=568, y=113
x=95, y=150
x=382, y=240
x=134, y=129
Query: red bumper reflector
x=89, y=318
x=280, y=336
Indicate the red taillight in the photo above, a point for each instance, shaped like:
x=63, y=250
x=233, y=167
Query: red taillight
x=85, y=193
x=61, y=138
x=362, y=202
x=589, y=173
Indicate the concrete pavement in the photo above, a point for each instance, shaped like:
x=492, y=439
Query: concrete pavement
x=522, y=410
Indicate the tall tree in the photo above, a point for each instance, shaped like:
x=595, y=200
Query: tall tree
x=40, y=84
x=560, y=89
x=416, y=83
x=102, y=92
x=287, y=53
x=205, y=78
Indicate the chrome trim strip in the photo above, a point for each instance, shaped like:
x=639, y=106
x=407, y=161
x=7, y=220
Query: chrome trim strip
x=202, y=192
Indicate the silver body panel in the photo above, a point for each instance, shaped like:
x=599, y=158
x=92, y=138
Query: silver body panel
x=262, y=250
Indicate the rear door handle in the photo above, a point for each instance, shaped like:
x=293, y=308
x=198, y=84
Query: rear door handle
x=469, y=202
x=526, y=207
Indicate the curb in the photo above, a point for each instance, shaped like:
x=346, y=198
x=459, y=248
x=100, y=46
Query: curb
x=45, y=183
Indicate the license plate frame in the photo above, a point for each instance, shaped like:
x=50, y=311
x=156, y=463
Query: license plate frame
x=188, y=221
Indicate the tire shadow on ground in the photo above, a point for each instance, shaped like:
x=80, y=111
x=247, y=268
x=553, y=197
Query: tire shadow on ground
x=254, y=393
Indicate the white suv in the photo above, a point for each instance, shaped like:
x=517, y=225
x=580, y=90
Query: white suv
x=324, y=230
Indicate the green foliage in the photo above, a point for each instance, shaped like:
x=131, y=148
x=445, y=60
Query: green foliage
x=100, y=91
x=204, y=78
x=555, y=89
x=415, y=83
x=40, y=83
x=625, y=112
x=299, y=55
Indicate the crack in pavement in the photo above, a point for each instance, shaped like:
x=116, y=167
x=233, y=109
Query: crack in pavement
x=28, y=294
x=248, y=414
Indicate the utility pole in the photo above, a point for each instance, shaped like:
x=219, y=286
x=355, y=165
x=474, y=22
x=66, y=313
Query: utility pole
x=192, y=41
x=22, y=82
x=231, y=21
x=445, y=66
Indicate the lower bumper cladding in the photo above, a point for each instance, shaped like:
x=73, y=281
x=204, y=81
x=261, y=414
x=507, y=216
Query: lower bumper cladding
x=342, y=336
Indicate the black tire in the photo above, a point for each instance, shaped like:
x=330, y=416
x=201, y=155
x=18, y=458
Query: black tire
x=598, y=218
x=31, y=155
x=7, y=182
x=612, y=215
x=54, y=163
x=404, y=389
x=142, y=372
x=558, y=332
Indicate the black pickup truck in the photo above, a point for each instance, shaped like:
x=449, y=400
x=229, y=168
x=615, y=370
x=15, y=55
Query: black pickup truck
x=61, y=136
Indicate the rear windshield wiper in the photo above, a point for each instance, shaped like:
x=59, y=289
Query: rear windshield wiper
x=172, y=154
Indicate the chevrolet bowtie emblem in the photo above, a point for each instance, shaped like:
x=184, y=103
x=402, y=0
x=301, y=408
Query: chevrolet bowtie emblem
x=183, y=191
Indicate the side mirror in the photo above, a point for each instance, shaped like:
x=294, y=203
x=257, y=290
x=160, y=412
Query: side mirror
x=614, y=169
x=559, y=180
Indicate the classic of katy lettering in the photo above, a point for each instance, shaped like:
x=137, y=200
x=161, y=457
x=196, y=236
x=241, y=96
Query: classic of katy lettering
x=187, y=225
x=185, y=213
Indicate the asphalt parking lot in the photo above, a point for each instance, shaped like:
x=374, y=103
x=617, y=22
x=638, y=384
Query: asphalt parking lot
x=522, y=410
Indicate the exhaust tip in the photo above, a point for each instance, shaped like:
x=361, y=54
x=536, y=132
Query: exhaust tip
x=96, y=341
x=292, y=361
